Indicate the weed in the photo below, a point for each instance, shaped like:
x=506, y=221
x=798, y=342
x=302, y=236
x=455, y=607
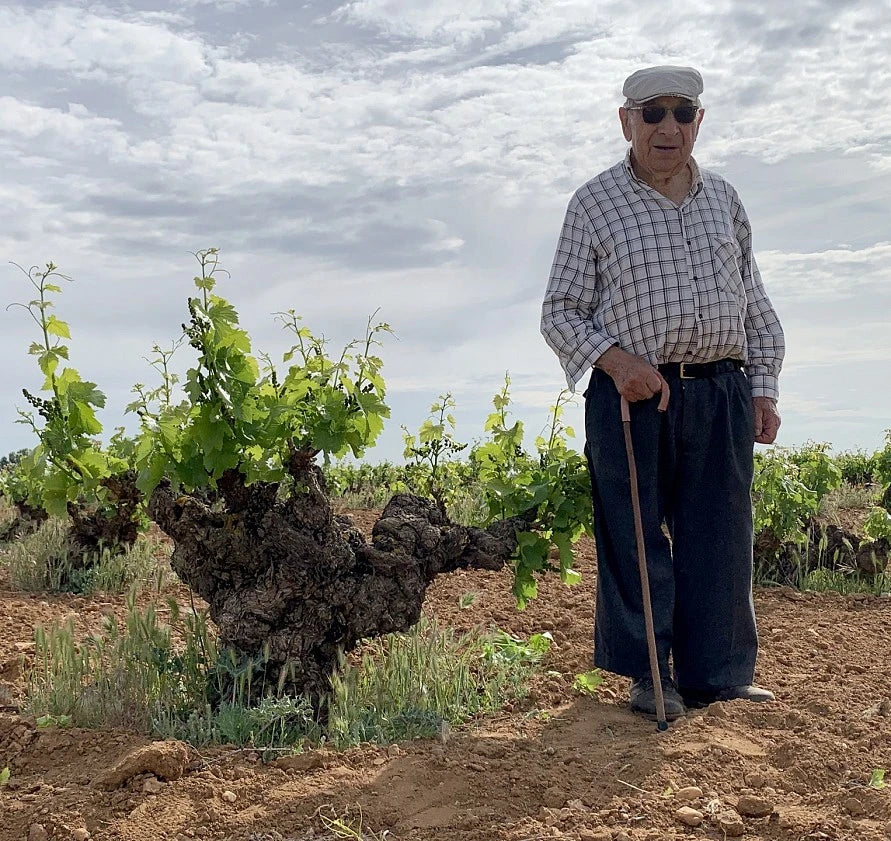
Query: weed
x=40, y=563
x=172, y=680
x=847, y=583
x=411, y=685
x=346, y=826
x=587, y=682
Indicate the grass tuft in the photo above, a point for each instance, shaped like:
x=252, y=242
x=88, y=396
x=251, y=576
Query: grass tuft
x=39, y=563
x=846, y=583
x=411, y=685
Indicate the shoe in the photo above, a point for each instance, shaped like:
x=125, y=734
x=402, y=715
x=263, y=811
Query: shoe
x=643, y=698
x=698, y=698
x=748, y=692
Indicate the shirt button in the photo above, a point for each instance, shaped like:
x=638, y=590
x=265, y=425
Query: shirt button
x=699, y=315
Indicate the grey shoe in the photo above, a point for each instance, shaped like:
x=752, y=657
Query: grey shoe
x=643, y=698
x=749, y=692
x=697, y=698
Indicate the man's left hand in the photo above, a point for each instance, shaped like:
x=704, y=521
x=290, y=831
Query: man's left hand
x=767, y=420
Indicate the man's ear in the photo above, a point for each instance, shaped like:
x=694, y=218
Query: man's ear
x=699, y=117
x=625, y=120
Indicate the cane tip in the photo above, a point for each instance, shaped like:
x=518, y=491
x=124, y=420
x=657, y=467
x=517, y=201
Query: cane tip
x=662, y=726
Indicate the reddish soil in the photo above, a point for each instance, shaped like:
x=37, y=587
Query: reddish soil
x=557, y=765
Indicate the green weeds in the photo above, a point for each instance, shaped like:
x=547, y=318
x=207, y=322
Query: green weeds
x=847, y=583
x=412, y=685
x=41, y=562
x=161, y=678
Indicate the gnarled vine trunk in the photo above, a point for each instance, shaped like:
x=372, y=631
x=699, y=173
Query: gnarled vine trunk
x=26, y=521
x=115, y=528
x=292, y=583
x=828, y=547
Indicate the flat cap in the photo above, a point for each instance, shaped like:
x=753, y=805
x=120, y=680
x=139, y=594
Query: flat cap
x=664, y=80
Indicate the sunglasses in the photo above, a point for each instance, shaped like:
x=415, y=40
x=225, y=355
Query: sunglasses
x=653, y=114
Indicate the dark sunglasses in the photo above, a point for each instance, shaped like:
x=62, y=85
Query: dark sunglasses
x=653, y=114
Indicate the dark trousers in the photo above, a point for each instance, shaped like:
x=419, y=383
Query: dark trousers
x=695, y=468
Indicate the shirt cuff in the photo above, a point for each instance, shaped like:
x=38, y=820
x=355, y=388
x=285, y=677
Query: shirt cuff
x=763, y=382
x=585, y=356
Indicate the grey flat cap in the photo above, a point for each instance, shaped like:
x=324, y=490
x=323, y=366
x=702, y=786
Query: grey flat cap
x=665, y=80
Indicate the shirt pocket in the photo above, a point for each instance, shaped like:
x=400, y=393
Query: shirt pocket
x=727, y=263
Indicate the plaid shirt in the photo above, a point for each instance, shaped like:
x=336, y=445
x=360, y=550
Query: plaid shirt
x=665, y=282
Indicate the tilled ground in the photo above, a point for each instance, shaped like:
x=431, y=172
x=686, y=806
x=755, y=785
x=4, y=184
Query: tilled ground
x=558, y=765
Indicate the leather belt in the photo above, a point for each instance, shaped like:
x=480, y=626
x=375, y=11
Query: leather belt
x=695, y=370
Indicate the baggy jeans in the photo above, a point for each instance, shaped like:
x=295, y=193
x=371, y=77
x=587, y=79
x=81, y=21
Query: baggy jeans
x=695, y=468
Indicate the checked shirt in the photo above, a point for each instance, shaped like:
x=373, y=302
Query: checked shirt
x=666, y=282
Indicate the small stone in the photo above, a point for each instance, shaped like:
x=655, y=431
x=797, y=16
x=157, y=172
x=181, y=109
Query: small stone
x=751, y=806
x=36, y=832
x=689, y=793
x=80, y=834
x=731, y=824
x=551, y=817
x=229, y=796
x=687, y=815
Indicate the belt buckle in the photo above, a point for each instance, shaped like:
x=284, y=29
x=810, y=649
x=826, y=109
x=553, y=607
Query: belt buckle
x=683, y=375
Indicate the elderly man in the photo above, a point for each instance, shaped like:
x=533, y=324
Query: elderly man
x=654, y=283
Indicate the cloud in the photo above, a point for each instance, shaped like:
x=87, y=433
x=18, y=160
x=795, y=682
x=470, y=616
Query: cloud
x=418, y=158
x=832, y=276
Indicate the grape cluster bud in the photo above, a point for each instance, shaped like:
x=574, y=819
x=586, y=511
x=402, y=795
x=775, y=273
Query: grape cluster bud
x=47, y=409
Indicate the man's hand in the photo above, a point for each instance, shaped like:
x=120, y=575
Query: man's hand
x=767, y=420
x=634, y=377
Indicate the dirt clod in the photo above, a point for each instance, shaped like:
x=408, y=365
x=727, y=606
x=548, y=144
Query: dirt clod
x=731, y=824
x=586, y=834
x=166, y=760
x=751, y=806
x=689, y=793
x=36, y=832
x=755, y=779
x=152, y=785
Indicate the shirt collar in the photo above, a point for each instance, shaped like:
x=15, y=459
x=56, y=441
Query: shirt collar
x=695, y=186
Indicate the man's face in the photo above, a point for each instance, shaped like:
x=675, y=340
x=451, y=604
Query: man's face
x=663, y=148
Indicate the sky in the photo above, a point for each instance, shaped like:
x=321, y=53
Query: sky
x=415, y=160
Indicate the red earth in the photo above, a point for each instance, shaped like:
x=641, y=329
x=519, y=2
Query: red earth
x=557, y=765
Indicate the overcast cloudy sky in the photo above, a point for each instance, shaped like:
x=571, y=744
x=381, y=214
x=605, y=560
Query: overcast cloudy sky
x=417, y=157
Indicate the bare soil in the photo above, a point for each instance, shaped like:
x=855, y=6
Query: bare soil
x=556, y=765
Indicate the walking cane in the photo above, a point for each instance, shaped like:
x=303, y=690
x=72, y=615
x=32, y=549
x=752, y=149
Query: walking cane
x=661, y=721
